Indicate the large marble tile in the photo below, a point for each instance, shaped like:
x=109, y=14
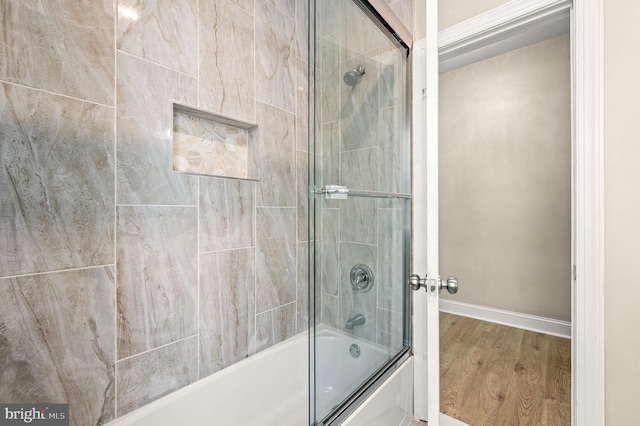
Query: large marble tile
x=327, y=17
x=227, y=214
x=57, y=342
x=144, y=125
x=393, y=78
x=277, y=157
x=302, y=30
x=275, y=258
x=157, y=278
x=227, y=308
x=60, y=46
x=162, y=31
x=330, y=155
x=227, y=58
x=275, y=60
x=393, y=151
x=330, y=243
x=330, y=81
x=359, y=169
x=358, y=218
x=404, y=10
x=288, y=7
x=305, y=282
x=331, y=311
x=152, y=375
x=302, y=196
x=56, y=182
x=353, y=302
x=389, y=330
x=246, y=5
x=391, y=249
x=275, y=326
x=359, y=33
x=302, y=105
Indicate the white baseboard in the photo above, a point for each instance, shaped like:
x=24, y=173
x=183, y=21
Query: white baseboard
x=450, y=421
x=512, y=319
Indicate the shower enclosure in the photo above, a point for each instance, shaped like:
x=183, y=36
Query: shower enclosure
x=359, y=150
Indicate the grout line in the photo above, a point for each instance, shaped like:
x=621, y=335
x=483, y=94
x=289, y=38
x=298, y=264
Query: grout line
x=158, y=347
x=255, y=67
x=115, y=210
x=259, y=101
x=255, y=269
x=227, y=250
x=122, y=52
x=56, y=94
x=57, y=271
x=359, y=149
x=276, y=308
x=276, y=207
x=199, y=194
x=198, y=281
x=158, y=205
x=198, y=53
x=255, y=187
x=297, y=179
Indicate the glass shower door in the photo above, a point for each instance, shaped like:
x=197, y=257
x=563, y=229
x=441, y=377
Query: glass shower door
x=361, y=204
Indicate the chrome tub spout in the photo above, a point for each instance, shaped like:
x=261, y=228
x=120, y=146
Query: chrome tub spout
x=357, y=319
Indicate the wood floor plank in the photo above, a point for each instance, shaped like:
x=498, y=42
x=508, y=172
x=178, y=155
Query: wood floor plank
x=497, y=375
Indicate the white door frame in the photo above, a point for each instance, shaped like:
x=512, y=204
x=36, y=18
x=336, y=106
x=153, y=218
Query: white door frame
x=588, y=291
x=587, y=33
x=424, y=241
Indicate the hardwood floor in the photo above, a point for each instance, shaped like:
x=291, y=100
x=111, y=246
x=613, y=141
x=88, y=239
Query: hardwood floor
x=494, y=375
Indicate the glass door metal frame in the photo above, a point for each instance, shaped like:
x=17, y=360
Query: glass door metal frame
x=385, y=371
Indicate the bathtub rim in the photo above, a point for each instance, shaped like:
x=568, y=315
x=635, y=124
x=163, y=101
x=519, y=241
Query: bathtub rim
x=144, y=411
x=302, y=338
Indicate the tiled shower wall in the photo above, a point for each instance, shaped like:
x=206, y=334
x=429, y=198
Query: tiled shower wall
x=120, y=280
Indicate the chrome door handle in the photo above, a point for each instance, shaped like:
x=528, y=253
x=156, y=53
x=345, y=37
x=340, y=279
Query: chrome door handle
x=415, y=282
x=451, y=284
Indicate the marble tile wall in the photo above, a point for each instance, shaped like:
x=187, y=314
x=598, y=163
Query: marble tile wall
x=361, y=132
x=120, y=280
x=404, y=9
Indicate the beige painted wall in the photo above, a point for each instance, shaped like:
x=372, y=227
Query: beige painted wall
x=622, y=201
x=622, y=212
x=451, y=12
x=505, y=180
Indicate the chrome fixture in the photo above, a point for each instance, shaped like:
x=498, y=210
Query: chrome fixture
x=431, y=285
x=351, y=78
x=357, y=319
x=338, y=192
x=354, y=350
x=361, y=278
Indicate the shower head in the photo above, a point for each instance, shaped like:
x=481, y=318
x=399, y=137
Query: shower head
x=351, y=78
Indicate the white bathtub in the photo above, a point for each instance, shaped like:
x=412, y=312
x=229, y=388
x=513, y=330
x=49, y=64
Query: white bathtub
x=270, y=388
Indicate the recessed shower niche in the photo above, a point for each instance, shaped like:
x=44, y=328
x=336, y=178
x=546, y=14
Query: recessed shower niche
x=209, y=144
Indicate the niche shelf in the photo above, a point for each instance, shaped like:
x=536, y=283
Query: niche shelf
x=209, y=144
